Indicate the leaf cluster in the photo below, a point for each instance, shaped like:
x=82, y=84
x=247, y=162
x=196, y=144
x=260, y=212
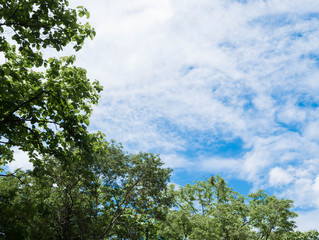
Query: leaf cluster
x=41, y=111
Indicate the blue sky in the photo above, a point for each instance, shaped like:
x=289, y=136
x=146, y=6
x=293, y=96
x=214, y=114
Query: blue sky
x=215, y=87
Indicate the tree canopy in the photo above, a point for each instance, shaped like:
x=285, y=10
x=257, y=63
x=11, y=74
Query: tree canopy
x=117, y=195
x=212, y=210
x=128, y=196
x=41, y=111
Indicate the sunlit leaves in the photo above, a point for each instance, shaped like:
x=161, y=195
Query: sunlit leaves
x=42, y=111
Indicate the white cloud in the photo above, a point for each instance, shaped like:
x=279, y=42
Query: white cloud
x=308, y=220
x=291, y=114
x=217, y=165
x=303, y=185
x=316, y=184
x=175, y=161
x=279, y=177
x=273, y=150
x=21, y=161
x=311, y=131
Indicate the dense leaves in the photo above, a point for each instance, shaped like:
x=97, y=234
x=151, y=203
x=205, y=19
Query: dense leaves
x=118, y=195
x=41, y=111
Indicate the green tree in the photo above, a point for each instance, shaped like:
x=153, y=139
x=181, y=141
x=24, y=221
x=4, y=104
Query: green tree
x=134, y=193
x=18, y=204
x=230, y=211
x=116, y=195
x=271, y=217
x=297, y=235
x=42, y=110
x=207, y=210
x=212, y=210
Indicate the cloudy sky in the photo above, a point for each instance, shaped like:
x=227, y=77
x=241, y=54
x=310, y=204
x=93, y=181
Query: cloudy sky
x=215, y=87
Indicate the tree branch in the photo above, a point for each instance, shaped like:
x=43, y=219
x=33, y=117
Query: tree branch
x=113, y=220
x=11, y=175
x=6, y=119
x=14, y=13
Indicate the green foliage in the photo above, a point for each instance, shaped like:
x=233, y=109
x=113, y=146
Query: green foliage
x=25, y=207
x=211, y=210
x=126, y=196
x=309, y=235
x=270, y=216
x=117, y=195
x=38, y=24
x=40, y=111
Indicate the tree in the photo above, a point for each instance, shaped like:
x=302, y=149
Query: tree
x=117, y=195
x=40, y=111
x=207, y=210
x=271, y=217
x=126, y=196
x=230, y=211
x=133, y=193
x=212, y=210
x=17, y=208
x=82, y=187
